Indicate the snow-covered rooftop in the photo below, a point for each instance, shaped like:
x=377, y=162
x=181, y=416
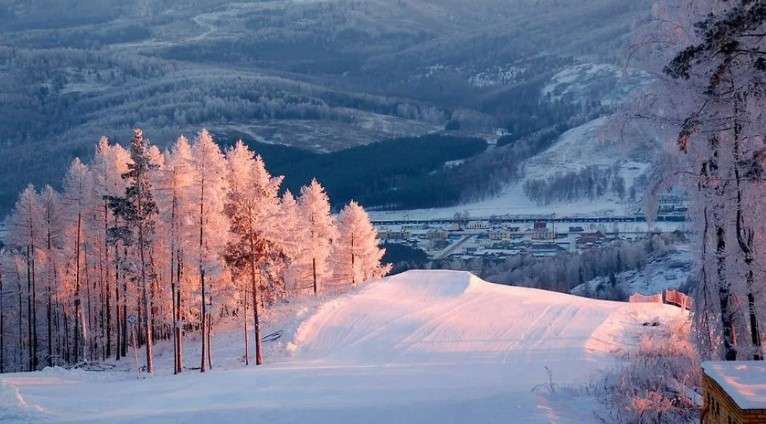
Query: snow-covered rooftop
x=744, y=381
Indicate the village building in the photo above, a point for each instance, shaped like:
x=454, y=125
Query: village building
x=734, y=392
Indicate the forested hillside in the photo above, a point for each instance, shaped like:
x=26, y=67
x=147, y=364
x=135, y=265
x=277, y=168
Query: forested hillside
x=320, y=76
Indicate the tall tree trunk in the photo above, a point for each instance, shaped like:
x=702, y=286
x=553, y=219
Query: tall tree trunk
x=745, y=239
x=179, y=329
x=87, y=329
x=173, y=294
x=203, y=327
x=353, y=269
x=107, y=279
x=244, y=321
x=35, y=361
x=256, y=319
x=724, y=296
x=119, y=335
x=77, y=300
x=314, y=271
x=145, y=294
x=51, y=279
x=19, y=321
x=125, y=334
x=30, y=323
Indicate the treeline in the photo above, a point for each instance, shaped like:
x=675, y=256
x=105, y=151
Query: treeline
x=143, y=245
x=591, y=182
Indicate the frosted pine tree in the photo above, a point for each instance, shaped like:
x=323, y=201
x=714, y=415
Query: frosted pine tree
x=176, y=206
x=138, y=213
x=291, y=229
x=24, y=235
x=356, y=253
x=110, y=162
x=252, y=206
x=208, y=192
x=52, y=244
x=78, y=196
x=319, y=233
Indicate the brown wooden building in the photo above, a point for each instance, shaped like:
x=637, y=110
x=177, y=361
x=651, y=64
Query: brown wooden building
x=734, y=392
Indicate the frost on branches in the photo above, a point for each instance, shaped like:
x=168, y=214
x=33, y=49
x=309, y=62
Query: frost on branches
x=707, y=59
x=355, y=253
x=144, y=245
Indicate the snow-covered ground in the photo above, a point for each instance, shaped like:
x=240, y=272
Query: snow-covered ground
x=419, y=347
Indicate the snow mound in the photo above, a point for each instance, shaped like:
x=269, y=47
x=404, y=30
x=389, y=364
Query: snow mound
x=419, y=347
x=456, y=316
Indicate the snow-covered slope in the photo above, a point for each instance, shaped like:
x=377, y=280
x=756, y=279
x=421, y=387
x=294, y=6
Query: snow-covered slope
x=579, y=148
x=420, y=347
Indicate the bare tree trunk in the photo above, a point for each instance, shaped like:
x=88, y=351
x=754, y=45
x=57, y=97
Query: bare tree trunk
x=125, y=334
x=202, y=272
x=30, y=354
x=147, y=309
x=244, y=321
x=745, y=240
x=89, y=328
x=77, y=305
x=210, y=340
x=35, y=361
x=108, y=292
x=173, y=294
x=353, y=270
x=119, y=335
x=179, y=329
x=256, y=319
x=203, y=327
x=314, y=270
x=21, y=332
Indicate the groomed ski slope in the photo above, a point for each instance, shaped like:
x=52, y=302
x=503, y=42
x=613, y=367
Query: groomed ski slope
x=420, y=347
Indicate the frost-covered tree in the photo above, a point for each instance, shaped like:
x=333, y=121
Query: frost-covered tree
x=208, y=191
x=708, y=60
x=77, y=195
x=251, y=206
x=24, y=234
x=318, y=235
x=52, y=234
x=291, y=227
x=356, y=255
x=138, y=212
x=175, y=200
x=110, y=162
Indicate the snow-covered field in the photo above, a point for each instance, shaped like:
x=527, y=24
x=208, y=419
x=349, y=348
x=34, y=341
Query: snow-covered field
x=419, y=347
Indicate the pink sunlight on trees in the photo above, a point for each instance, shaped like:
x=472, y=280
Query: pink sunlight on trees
x=143, y=245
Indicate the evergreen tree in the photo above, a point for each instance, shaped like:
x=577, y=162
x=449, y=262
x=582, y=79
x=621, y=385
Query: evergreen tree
x=251, y=206
x=138, y=212
x=208, y=191
x=319, y=234
x=356, y=251
x=24, y=234
x=78, y=186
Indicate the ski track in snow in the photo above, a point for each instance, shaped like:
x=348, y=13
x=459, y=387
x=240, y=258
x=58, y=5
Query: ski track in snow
x=419, y=347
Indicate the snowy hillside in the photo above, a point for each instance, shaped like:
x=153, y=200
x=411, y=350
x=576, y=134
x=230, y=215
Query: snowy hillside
x=420, y=347
x=578, y=149
x=670, y=271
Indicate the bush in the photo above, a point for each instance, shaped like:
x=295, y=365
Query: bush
x=660, y=381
